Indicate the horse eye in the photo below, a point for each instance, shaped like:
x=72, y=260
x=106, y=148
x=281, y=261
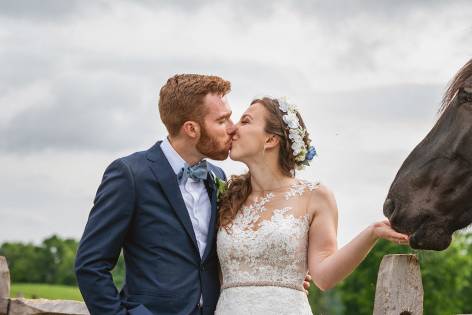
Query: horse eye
x=448, y=191
x=465, y=96
x=419, y=181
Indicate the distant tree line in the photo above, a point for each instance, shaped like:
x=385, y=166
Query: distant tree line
x=51, y=262
x=447, y=275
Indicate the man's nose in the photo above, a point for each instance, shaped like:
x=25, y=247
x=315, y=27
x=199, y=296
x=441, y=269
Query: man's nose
x=231, y=128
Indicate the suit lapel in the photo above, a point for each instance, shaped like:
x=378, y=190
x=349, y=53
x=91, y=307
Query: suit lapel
x=212, y=193
x=168, y=181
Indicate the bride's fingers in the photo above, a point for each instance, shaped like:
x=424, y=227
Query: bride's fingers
x=395, y=234
x=394, y=238
x=400, y=241
x=387, y=222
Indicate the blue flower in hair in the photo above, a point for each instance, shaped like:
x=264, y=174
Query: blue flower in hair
x=311, y=153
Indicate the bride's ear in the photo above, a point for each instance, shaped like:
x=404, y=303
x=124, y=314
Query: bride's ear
x=272, y=141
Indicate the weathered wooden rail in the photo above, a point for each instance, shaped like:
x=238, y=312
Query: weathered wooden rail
x=20, y=306
x=399, y=291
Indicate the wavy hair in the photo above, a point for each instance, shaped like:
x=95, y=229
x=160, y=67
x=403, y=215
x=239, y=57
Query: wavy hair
x=239, y=186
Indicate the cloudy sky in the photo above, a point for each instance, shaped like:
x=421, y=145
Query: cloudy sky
x=79, y=82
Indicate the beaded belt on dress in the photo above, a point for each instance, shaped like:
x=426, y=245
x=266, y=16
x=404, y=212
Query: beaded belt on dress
x=262, y=284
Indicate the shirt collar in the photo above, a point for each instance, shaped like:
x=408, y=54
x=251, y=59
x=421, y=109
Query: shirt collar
x=175, y=160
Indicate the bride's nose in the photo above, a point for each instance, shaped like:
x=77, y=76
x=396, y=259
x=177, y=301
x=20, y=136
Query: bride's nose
x=235, y=134
x=231, y=130
x=234, y=129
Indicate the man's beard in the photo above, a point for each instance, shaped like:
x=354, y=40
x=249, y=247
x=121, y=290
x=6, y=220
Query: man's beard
x=209, y=147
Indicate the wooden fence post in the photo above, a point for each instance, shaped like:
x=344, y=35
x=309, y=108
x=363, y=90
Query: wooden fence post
x=9, y=306
x=4, y=285
x=399, y=288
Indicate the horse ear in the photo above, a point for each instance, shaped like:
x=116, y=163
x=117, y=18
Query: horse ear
x=462, y=81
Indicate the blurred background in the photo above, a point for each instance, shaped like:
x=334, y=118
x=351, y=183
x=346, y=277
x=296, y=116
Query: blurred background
x=79, y=84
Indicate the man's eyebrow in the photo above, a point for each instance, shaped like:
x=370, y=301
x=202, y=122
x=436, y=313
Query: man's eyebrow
x=227, y=115
x=246, y=115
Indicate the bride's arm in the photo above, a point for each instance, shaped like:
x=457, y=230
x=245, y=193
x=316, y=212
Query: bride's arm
x=327, y=264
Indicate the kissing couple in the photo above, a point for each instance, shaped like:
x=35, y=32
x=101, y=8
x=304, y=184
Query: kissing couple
x=195, y=243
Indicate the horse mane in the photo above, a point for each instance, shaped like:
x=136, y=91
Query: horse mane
x=455, y=84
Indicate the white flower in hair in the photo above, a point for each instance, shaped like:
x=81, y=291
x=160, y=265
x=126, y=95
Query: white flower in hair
x=297, y=148
x=296, y=133
x=301, y=156
x=291, y=120
x=283, y=104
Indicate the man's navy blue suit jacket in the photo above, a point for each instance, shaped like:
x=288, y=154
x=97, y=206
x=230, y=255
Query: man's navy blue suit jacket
x=139, y=209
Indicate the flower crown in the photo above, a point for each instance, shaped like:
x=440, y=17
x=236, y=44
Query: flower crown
x=302, y=152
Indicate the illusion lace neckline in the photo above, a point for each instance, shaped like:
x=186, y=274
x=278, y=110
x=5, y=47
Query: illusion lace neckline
x=267, y=242
x=296, y=188
x=252, y=214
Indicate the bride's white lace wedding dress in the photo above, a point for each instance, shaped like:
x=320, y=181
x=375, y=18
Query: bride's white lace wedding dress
x=263, y=255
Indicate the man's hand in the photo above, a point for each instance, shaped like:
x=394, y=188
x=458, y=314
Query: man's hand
x=306, y=283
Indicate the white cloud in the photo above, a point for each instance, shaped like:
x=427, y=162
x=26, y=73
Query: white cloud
x=79, y=87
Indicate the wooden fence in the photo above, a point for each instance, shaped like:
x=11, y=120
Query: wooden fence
x=20, y=306
x=399, y=291
x=399, y=287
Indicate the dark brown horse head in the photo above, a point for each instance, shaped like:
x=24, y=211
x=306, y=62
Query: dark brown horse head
x=431, y=196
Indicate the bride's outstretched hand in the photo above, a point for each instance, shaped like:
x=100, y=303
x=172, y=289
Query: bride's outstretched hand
x=383, y=229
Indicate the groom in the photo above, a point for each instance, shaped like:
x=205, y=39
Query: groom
x=159, y=207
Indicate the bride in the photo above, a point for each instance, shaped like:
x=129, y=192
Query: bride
x=273, y=227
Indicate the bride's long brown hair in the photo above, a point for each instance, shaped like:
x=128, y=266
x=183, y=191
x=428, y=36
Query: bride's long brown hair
x=239, y=186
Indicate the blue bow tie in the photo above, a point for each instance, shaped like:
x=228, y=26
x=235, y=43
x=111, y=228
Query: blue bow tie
x=197, y=172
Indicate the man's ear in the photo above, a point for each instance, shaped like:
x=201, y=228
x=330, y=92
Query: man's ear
x=191, y=129
x=272, y=141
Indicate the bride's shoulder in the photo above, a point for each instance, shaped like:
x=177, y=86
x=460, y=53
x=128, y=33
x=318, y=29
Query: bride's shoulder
x=321, y=196
x=310, y=185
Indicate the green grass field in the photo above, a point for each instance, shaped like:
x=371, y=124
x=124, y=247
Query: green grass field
x=46, y=291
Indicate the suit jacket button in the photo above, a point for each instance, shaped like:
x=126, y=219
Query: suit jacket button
x=202, y=267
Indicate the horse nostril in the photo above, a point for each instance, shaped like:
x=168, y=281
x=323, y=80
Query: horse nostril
x=389, y=207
